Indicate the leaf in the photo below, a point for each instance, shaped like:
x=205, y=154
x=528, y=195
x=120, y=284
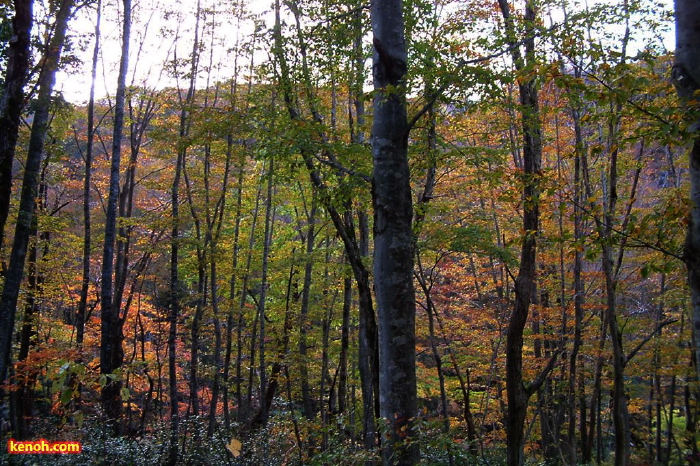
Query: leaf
x=79, y=418
x=125, y=394
x=645, y=271
x=234, y=447
x=66, y=395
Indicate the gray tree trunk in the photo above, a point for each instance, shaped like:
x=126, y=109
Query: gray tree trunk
x=686, y=79
x=393, y=236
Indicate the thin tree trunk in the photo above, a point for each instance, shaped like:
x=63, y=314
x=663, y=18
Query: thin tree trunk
x=307, y=402
x=111, y=352
x=525, y=284
x=579, y=153
x=87, y=232
x=269, y=218
x=430, y=310
x=175, y=291
x=244, y=404
x=174, y=302
x=215, y=221
x=232, y=292
x=344, y=345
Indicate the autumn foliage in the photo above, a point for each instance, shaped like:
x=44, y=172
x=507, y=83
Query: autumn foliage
x=248, y=164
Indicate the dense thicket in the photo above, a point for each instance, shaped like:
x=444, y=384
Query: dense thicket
x=411, y=232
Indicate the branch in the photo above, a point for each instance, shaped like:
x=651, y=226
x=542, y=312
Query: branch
x=640, y=242
x=334, y=18
x=619, y=93
x=537, y=383
x=649, y=337
x=342, y=168
x=462, y=63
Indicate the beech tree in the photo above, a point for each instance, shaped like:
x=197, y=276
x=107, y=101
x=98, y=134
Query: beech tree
x=393, y=235
x=492, y=207
x=686, y=78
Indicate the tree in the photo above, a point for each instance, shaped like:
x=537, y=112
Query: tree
x=87, y=240
x=111, y=352
x=393, y=235
x=525, y=284
x=686, y=79
x=30, y=183
x=12, y=101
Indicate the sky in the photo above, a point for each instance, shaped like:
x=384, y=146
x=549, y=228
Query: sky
x=161, y=31
x=164, y=29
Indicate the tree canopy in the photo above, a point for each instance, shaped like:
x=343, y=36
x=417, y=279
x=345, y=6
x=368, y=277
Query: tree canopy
x=344, y=232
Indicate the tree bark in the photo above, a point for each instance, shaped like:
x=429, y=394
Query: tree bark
x=111, y=352
x=87, y=232
x=393, y=236
x=30, y=182
x=12, y=101
x=525, y=284
x=686, y=79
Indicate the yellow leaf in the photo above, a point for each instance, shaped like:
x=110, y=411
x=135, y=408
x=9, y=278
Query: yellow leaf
x=234, y=447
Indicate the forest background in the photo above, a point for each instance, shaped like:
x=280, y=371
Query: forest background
x=191, y=234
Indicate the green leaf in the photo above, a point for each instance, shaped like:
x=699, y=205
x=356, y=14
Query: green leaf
x=66, y=395
x=79, y=418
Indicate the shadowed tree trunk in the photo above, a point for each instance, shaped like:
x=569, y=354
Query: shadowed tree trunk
x=30, y=183
x=12, y=101
x=393, y=236
x=686, y=79
x=111, y=352
x=87, y=243
x=518, y=391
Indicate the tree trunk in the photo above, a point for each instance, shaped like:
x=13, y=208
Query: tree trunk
x=30, y=182
x=87, y=232
x=244, y=404
x=267, y=243
x=393, y=236
x=111, y=352
x=525, y=284
x=344, y=345
x=12, y=101
x=306, y=398
x=174, y=303
x=232, y=294
x=686, y=79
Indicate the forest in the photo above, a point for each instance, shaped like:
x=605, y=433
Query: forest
x=349, y=232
